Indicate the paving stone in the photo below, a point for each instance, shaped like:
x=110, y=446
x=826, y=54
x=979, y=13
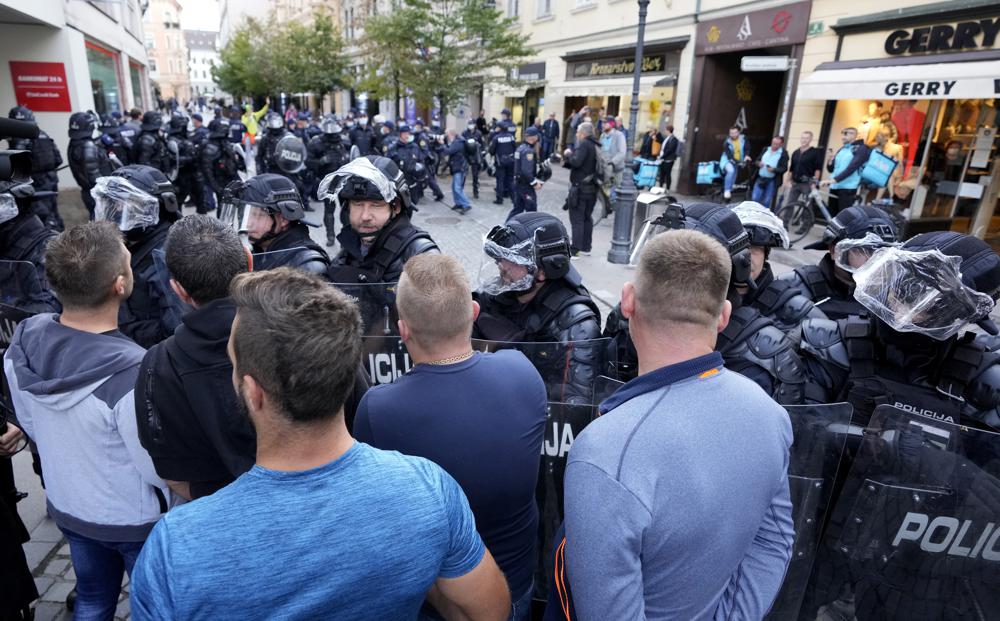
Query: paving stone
x=64, y=550
x=42, y=583
x=47, y=611
x=57, y=566
x=123, y=610
x=70, y=575
x=47, y=531
x=36, y=552
x=58, y=592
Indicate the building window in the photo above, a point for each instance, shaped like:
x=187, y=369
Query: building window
x=152, y=64
x=105, y=81
x=513, y=8
x=579, y=4
x=168, y=42
x=135, y=76
x=544, y=8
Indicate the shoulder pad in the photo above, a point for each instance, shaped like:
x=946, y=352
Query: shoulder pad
x=768, y=342
x=578, y=313
x=822, y=338
x=421, y=245
x=984, y=391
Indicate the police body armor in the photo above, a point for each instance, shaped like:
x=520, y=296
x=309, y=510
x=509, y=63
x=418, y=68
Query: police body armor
x=326, y=155
x=831, y=296
x=218, y=163
x=395, y=244
x=293, y=248
x=141, y=317
x=151, y=150
x=45, y=159
x=87, y=162
x=782, y=301
x=957, y=382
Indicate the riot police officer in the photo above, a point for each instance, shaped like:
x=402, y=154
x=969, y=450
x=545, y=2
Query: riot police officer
x=131, y=128
x=430, y=158
x=474, y=146
x=411, y=160
x=149, y=149
x=117, y=145
x=236, y=126
x=386, y=138
x=200, y=133
x=185, y=172
x=778, y=300
x=23, y=237
x=274, y=129
x=87, y=161
x=45, y=161
x=502, y=147
x=362, y=136
x=274, y=220
x=142, y=202
x=537, y=296
x=751, y=344
x=218, y=163
x=829, y=284
x=903, y=351
x=526, y=179
x=380, y=238
x=325, y=154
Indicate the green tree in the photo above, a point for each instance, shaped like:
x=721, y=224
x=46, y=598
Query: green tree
x=443, y=49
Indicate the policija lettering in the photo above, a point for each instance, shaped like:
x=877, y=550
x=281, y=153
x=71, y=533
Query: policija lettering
x=933, y=87
x=948, y=534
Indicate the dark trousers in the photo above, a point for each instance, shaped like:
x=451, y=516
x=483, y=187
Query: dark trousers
x=547, y=145
x=841, y=199
x=432, y=183
x=663, y=177
x=88, y=201
x=581, y=221
x=189, y=185
x=330, y=220
x=525, y=199
x=505, y=181
x=474, y=174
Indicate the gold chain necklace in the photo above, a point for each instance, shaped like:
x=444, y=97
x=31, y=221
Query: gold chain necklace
x=453, y=359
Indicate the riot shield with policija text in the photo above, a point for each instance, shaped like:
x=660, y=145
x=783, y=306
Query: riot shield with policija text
x=915, y=532
x=23, y=293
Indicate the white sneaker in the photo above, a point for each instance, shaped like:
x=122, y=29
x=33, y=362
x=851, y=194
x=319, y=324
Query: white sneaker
x=727, y=194
x=585, y=253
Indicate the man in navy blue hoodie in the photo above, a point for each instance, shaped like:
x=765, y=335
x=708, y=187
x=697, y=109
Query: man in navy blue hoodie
x=71, y=377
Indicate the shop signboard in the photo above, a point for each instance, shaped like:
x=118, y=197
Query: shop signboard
x=652, y=64
x=764, y=63
x=42, y=87
x=970, y=35
x=782, y=25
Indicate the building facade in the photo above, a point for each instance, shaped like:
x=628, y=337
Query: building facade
x=62, y=57
x=167, y=48
x=203, y=55
x=925, y=75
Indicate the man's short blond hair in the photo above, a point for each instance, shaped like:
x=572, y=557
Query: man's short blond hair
x=434, y=299
x=682, y=277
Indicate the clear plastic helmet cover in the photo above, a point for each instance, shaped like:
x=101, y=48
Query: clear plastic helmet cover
x=333, y=183
x=919, y=292
x=851, y=255
x=755, y=214
x=8, y=207
x=127, y=206
x=507, y=269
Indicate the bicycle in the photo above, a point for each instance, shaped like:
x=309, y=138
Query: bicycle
x=799, y=216
x=742, y=188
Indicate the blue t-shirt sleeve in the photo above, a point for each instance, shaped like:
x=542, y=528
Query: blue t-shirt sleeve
x=362, y=430
x=466, y=548
x=150, y=592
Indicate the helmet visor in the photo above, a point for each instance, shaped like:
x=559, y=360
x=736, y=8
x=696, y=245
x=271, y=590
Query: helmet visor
x=919, y=292
x=506, y=268
x=333, y=183
x=8, y=208
x=756, y=215
x=127, y=206
x=852, y=254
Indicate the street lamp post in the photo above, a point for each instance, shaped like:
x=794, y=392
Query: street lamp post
x=621, y=239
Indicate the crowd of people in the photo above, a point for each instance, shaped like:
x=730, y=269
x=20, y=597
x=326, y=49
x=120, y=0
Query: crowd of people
x=196, y=391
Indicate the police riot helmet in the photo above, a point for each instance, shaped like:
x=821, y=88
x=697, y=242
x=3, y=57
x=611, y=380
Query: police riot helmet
x=178, y=124
x=329, y=125
x=764, y=228
x=535, y=240
x=273, y=120
x=273, y=194
x=81, y=125
x=108, y=122
x=152, y=120
x=21, y=113
x=372, y=177
x=135, y=197
x=934, y=284
x=218, y=127
x=854, y=223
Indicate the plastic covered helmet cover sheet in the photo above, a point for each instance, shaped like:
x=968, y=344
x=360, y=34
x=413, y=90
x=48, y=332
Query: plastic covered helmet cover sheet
x=8, y=207
x=919, y=292
x=333, y=183
x=851, y=254
x=495, y=277
x=127, y=206
x=755, y=214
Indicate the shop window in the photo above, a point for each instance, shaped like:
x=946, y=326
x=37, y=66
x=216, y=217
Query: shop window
x=135, y=76
x=105, y=81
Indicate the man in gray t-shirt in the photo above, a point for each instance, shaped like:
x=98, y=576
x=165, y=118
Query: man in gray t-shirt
x=677, y=501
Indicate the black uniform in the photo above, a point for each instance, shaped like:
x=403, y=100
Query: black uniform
x=219, y=165
x=325, y=154
x=502, y=146
x=525, y=175
x=384, y=260
x=582, y=195
x=309, y=256
x=411, y=160
x=189, y=181
x=25, y=238
x=87, y=162
x=150, y=149
x=474, y=156
x=147, y=316
x=45, y=160
x=781, y=301
x=363, y=138
x=432, y=158
x=265, y=150
x=113, y=140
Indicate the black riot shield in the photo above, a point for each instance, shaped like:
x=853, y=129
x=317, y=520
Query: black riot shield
x=23, y=293
x=290, y=154
x=377, y=303
x=275, y=258
x=915, y=532
x=820, y=435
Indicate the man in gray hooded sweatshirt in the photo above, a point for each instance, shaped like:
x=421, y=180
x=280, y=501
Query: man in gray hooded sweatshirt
x=71, y=377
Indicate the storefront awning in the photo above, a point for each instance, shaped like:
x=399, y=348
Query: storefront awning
x=517, y=91
x=971, y=80
x=600, y=88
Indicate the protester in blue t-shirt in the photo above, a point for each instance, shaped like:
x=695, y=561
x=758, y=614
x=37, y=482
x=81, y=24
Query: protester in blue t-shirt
x=772, y=164
x=845, y=166
x=480, y=416
x=322, y=527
